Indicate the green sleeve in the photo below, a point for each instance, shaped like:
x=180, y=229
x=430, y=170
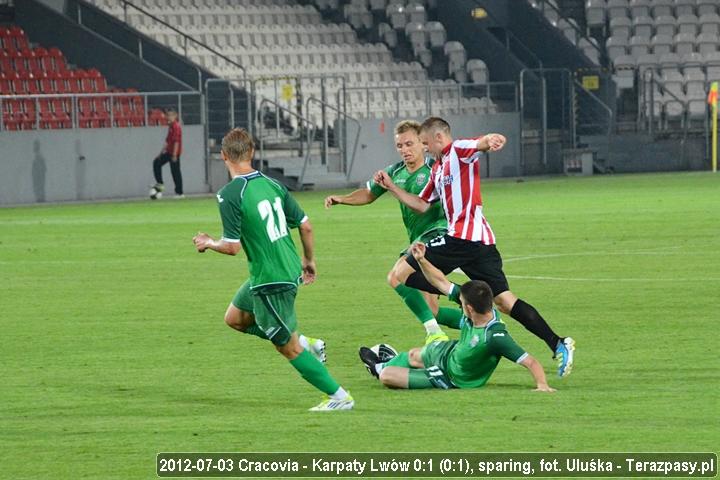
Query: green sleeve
x=231, y=219
x=376, y=189
x=500, y=343
x=294, y=214
x=454, y=294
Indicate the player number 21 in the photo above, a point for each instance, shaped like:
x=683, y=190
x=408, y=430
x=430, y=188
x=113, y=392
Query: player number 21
x=278, y=230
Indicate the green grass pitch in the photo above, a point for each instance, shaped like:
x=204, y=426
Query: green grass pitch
x=114, y=346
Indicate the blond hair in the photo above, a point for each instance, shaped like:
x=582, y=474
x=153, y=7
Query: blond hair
x=238, y=145
x=406, y=126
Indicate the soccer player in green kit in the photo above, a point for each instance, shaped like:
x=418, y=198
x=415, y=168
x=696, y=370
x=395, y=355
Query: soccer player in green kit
x=257, y=213
x=466, y=363
x=411, y=174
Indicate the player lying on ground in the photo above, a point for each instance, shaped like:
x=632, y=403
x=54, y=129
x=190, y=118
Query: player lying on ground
x=258, y=213
x=465, y=363
x=411, y=174
x=470, y=242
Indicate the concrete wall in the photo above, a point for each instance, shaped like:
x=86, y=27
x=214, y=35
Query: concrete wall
x=376, y=147
x=90, y=164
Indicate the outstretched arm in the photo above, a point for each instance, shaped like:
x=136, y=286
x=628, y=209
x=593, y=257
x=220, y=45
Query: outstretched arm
x=538, y=374
x=203, y=242
x=412, y=201
x=492, y=142
x=361, y=196
x=308, y=262
x=436, y=278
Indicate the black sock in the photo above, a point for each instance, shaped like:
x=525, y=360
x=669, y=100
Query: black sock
x=535, y=323
x=418, y=281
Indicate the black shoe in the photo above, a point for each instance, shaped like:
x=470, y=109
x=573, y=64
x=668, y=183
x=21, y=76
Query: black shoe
x=369, y=358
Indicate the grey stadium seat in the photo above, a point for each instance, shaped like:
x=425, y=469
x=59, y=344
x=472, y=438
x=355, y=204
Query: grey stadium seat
x=707, y=43
x=662, y=7
x=712, y=66
x=640, y=8
x=707, y=6
x=710, y=23
x=397, y=16
x=643, y=26
x=415, y=32
x=688, y=24
x=624, y=71
x=670, y=62
x=436, y=34
x=616, y=47
x=684, y=43
x=639, y=46
x=620, y=27
x=477, y=70
x=595, y=13
x=692, y=62
x=617, y=8
x=662, y=44
x=685, y=7
x=456, y=56
x=665, y=25
x=416, y=13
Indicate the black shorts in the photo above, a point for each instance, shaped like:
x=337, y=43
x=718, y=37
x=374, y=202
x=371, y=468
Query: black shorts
x=476, y=260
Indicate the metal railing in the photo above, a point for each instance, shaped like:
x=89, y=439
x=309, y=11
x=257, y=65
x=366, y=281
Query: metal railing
x=346, y=165
x=505, y=93
x=187, y=39
x=304, y=146
x=189, y=111
x=544, y=4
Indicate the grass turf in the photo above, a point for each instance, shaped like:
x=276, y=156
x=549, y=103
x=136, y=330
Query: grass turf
x=114, y=347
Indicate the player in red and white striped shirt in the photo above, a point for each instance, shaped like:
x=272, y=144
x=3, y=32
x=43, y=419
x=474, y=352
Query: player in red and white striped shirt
x=470, y=242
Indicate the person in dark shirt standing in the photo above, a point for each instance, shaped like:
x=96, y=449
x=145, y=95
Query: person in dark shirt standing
x=170, y=153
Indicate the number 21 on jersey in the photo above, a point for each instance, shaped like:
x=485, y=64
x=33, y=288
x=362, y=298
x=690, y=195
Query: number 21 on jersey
x=276, y=223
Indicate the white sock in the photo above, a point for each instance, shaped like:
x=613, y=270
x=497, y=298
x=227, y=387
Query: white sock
x=431, y=326
x=379, y=367
x=341, y=394
x=304, y=342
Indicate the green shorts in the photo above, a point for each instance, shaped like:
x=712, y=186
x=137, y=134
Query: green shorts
x=434, y=357
x=425, y=238
x=274, y=310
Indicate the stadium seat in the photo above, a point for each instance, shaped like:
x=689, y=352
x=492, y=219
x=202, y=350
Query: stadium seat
x=437, y=37
x=620, y=27
x=662, y=7
x=669, y=62
x=617, y=8
x=455, y=52
x=595, y=13
x=685, y=7
x=665, y=25
x=643, y=26
x=625, y=66
x=705, y=7
x=688, y=24
x=639, y=46
x=477, y=71
x=661, y=44
x=710, y=23
x=712, y=65
x=396, y=14
x=616, y=47
x=640, y=8
x=684, y=43
x=707, y=43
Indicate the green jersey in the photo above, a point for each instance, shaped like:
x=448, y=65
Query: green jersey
x=258, y=212
x=416, y=224
x=476, y=354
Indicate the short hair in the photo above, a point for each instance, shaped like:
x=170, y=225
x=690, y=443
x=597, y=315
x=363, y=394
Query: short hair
x=478, y=295
x=434, y=124
x=406, y=126
x=237, y=144
x=170, y=110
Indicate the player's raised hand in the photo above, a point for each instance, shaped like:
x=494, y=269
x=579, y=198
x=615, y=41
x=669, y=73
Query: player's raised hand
x=383, y=179
x=492, y=142
x=332, y=200
x=309, y=271
x=418, y=251
x=544, y=388
x=201, y=241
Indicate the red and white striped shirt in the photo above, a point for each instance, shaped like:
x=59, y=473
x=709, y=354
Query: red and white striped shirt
x=455, y=179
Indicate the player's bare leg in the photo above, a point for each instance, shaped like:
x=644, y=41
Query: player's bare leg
x=415, y=300
x=244, y=322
